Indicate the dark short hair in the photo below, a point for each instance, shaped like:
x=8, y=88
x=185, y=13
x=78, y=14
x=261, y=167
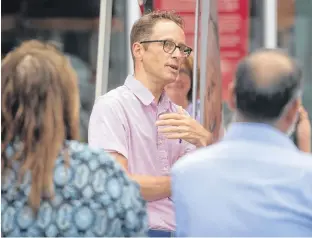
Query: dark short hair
x=265, y=102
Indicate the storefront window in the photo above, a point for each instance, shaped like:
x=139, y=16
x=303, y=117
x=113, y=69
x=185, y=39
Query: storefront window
x=73, y=26
x=295, y=34
x=301, y=41
x=294, y=25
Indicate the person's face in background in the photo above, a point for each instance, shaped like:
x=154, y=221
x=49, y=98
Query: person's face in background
x=160, y=66
x=178, y=90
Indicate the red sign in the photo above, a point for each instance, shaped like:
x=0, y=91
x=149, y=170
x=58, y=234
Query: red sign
x=141, y=5
x=186, y=9
x=234, y=35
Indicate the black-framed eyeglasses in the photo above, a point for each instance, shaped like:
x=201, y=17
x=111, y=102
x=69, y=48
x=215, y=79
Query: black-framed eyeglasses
x=169, y=47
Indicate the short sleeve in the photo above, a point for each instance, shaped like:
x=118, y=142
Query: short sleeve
x=107, y=127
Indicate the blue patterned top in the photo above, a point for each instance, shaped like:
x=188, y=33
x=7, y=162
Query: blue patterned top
x=93, y=197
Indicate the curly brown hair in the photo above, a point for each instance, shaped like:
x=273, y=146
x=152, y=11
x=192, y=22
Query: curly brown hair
x=39, y=111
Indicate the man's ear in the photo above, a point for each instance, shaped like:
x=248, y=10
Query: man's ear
x=138, y=51
x=231, y=96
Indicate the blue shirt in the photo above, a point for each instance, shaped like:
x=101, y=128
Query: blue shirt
x=93, y=197
x=255, y=182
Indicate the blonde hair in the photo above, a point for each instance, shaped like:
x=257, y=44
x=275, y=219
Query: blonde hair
x=39, y=111
x=189, y=65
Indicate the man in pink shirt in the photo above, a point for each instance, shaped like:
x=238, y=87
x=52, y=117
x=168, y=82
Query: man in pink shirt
x=140, y=126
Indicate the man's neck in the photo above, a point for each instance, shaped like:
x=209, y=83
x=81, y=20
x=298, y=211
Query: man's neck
x=275, y=124
x=237, y=117
x=150, y=84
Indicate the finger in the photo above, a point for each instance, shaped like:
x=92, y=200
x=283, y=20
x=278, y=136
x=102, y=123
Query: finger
x=180, y=110
x=170, y=122
x=182, y=136
x=300, y=109
x=183, y=112
x=303, y=113
x=167, y=116
x=174, y=129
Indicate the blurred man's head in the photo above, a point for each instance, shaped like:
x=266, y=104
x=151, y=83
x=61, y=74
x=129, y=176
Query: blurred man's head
x=267, y=89
x=158, y=46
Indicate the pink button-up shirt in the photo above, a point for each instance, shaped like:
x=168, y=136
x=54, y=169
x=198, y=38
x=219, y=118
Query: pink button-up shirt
x=123, y=121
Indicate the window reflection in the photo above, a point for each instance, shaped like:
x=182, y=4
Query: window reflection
x=301, y=41
x=294, y=21
x=73, y=26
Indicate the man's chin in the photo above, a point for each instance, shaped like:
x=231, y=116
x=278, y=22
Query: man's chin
x=170, y=80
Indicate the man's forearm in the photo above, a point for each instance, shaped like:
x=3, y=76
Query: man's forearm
x=152, y=187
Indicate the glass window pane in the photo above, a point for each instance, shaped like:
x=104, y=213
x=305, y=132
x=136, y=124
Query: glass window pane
x=73, y=26
x=295, y=34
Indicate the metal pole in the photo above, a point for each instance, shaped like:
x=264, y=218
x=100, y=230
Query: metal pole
x=195, y=66
x=270, y=23
x=133, y=14
x=103, y=47
x=205, y=11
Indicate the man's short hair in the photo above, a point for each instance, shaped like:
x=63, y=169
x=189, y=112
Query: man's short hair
x=143, y=27
x=265, y=86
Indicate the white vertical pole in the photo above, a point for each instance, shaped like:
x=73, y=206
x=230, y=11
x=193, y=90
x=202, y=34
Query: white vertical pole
x=205, y=11
x=270, y=23
x=133, y=14
x=195, y=66
x=103, y=47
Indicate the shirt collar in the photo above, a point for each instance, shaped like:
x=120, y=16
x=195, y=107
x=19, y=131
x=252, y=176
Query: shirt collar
x=143, y=94
x=258, y=132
